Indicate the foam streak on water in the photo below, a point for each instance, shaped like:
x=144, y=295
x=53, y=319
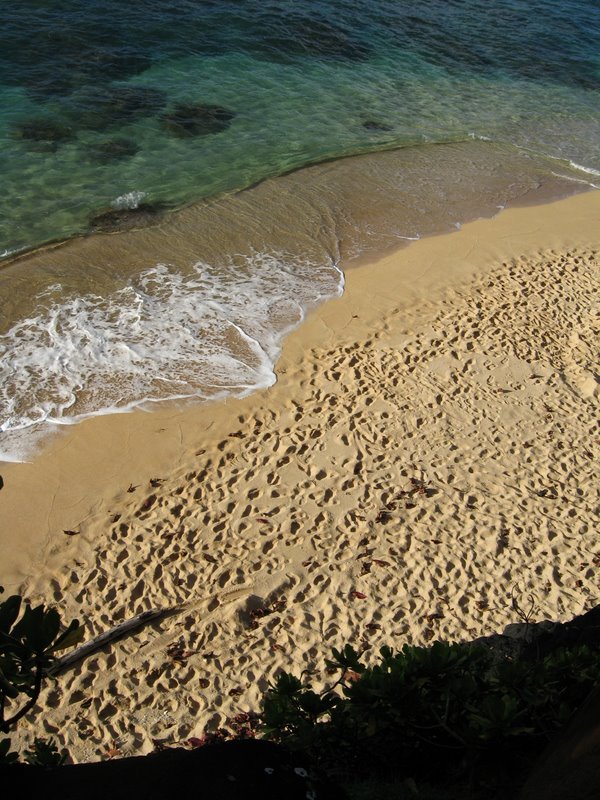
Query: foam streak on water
x=212, y=333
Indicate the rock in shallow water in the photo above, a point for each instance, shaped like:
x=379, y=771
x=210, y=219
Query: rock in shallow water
x=43, y=133
x=68, y=65
x=188, y=119
x=113, y=149
x=291, y=35
x=376, y=127
x=99, y=107
x=122, y=219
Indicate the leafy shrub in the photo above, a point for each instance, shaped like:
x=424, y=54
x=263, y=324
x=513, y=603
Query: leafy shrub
x=29, y=638
x=28, y=642
x=448, y=706
x=6, y=756
x=45, y=754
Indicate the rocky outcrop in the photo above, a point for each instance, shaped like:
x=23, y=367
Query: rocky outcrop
x=122, y=219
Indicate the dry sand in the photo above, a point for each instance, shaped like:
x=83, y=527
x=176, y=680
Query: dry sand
x=431, y=444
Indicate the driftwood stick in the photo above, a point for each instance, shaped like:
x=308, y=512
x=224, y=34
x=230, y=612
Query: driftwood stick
x=109, y=636
x=129, y=625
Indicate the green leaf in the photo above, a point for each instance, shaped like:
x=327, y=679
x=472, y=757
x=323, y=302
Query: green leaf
x=26, y=625
x=316, y=705
x=6, y=687
x=345, y=659
x=68, y=638
x=6, y=757
x=49, y=628
x=45, y=753
x=8, y=644
x=9, y=611
x=35, y=626
x=286, y=685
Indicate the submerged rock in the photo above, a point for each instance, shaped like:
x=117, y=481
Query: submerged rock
x=43, y=85
x=96, y=63
x=188, y=119
x=64, y=70
x=297, y=35
x=97, y=108
x=111, y=220
x=377, y=127
x=113, y=149
x=44, y=133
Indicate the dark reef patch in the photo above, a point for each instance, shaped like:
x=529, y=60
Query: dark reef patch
x=376, y=126
x=99, y=108
x=44, y=134
x=69, y=63
x=111, y=220
x=112, y=149
x=460, y=41
x=292, y=35
x=188, y=119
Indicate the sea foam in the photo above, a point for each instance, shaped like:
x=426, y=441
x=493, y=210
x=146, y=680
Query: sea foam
x=210, y=333
x=129, y=200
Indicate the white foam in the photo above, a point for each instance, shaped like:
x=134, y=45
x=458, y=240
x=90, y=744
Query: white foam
x=129, y=200
x=577, y=180
x=212, y=333
x=8, y=251
x=573, y=164
x=589, y=170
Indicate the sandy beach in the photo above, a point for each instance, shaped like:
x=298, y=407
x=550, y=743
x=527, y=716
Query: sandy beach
x=428, y=453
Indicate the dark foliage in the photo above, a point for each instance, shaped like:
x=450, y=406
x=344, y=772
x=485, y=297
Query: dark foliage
x=29, y=638
x=235, y=770
x=450, y=709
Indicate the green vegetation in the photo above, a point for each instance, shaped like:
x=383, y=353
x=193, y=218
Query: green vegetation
x=29, y=638
x=425, y=721
x=445, y=713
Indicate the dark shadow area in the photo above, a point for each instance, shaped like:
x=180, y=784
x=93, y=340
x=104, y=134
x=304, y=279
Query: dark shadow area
x=223, y=771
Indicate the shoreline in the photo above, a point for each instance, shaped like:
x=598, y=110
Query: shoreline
x=550, y=191
x=429, y=445
x=409, y=284
x=186, y=293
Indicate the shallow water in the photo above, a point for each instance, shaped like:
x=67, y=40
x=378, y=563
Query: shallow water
x=83, y=100
x=458, y=109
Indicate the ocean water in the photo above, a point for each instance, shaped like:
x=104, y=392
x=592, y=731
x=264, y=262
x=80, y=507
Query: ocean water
x=251, y=149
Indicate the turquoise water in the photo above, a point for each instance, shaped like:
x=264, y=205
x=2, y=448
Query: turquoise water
x=194, y=125
x=85, y=87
